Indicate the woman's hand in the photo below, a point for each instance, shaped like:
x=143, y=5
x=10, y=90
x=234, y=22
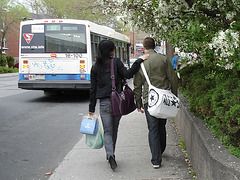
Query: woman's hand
x=145, y=56
x=91, y=113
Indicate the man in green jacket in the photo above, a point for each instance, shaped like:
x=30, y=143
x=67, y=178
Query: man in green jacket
x=161, y=75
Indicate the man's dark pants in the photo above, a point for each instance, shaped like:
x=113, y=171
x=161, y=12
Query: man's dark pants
x=156, y=136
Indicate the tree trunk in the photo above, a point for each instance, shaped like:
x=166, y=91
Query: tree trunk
x=170, y=51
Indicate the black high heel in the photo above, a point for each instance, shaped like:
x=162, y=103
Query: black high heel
x=112, y=162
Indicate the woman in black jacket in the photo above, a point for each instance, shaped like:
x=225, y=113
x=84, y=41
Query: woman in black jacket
x=101, y=88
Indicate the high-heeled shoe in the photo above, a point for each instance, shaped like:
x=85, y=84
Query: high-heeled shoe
x=112, y=162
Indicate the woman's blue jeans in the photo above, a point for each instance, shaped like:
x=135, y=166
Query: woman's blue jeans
x=110, y=126
x=156, y=136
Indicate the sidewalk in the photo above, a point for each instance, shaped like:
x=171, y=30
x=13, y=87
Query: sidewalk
x=8, y=75
x=132, y=155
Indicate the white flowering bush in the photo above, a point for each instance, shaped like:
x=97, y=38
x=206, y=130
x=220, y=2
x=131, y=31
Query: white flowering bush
x=225, y=45
x=208, y=27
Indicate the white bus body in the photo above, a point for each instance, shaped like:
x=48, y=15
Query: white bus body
x=57, y=54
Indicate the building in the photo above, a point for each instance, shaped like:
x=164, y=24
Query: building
x=12, y=43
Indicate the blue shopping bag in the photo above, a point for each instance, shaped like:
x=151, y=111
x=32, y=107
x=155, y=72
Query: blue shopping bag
x=89, y=125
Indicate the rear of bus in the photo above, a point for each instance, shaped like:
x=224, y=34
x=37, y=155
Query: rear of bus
x=54, y=55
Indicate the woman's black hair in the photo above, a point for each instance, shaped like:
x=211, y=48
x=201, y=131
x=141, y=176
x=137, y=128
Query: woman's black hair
x=105, y=47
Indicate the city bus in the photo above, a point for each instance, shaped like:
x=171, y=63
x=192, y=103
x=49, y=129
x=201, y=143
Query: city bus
x=57, y=54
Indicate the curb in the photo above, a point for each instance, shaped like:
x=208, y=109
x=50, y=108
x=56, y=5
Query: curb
x=9, y=75
x=210, y=159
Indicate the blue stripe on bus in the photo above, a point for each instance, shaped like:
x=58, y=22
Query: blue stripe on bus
x=59, y=76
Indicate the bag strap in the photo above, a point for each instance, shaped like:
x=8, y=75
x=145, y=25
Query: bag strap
x=112, y=74
x=145, y=74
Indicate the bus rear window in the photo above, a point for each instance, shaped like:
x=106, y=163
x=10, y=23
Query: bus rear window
x=70, y=39
x=54, y=38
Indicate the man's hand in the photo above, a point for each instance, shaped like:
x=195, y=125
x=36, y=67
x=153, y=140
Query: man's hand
x=141, y=110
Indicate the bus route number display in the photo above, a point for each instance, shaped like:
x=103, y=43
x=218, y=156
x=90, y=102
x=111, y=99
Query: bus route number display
x=53, y=27
x=74, y=55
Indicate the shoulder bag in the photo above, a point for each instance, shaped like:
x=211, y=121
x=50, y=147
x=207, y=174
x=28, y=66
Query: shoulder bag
x=161, y=103
x=122, y=103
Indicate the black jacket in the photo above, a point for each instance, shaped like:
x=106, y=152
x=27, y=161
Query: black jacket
x=102, y=87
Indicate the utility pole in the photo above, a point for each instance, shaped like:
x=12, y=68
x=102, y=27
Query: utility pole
x=133, y=45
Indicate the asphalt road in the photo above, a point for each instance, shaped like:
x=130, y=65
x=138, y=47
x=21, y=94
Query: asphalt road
x=36, y=131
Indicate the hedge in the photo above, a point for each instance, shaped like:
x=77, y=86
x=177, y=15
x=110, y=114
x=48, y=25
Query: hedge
x=214, y=95
x=8, y=70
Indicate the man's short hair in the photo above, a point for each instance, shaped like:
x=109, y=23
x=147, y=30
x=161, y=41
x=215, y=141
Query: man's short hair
x=149, y=43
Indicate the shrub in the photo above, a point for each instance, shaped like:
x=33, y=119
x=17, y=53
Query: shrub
x=10, y=61
x=213, y=95
x=3, y=61
x=8, y=70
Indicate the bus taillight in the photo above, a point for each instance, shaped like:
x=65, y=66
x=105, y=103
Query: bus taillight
x=53, y=55
x=25, y=62
x=82, y=62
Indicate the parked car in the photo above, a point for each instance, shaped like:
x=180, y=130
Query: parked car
x=16, y=65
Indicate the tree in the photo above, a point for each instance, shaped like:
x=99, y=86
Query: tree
x=77, y=9
x=11, y=14
x=208, y=27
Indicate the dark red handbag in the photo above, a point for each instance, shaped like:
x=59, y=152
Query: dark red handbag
x=122, y=103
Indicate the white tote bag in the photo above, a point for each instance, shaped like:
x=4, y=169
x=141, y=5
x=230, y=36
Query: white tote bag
x=161, y=103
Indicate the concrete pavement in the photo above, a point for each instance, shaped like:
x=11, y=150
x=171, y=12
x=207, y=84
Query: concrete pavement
x=132, y=155
x=8, y=75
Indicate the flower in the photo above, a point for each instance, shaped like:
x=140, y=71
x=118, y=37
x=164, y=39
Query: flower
x=224, y=45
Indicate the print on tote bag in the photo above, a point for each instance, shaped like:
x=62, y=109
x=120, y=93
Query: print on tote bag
x=161, y=103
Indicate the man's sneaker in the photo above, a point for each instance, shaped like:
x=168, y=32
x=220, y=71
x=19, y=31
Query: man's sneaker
x=112, y=162
x=156, y=166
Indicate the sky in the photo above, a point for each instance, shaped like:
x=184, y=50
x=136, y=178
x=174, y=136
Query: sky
x=22, y=1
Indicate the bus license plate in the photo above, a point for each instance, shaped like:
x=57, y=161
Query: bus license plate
x=36, y=77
